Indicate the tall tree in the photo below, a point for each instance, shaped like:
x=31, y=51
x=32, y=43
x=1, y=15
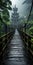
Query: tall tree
x=5, y=5
x=28, y=2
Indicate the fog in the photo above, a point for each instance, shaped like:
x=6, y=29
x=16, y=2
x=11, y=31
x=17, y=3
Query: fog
x=23, y=9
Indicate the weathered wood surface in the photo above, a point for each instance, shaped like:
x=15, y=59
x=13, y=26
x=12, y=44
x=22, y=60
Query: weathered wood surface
x=16, y=52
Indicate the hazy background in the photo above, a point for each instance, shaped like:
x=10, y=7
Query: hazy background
x=23, y=9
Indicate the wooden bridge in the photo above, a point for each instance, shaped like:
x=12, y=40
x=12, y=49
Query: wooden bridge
x=16, y=49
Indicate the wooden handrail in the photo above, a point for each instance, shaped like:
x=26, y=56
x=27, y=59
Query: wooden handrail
x=27, y=39
x=4, y=35
x=28, y=35
x=4, y=41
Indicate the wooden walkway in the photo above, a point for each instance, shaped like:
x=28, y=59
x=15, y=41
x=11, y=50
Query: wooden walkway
x=16, y=53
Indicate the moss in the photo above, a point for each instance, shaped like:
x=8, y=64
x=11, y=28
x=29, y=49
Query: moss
x=31, y=30
x=32, y=40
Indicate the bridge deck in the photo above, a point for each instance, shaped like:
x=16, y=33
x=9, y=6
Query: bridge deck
x=16, y=53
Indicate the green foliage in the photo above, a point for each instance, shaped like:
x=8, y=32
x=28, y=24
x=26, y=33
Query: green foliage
x=5, y=6
x=31, y=30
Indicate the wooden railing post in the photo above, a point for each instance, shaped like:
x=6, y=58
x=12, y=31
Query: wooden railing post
x=4, y=41
x=27, y=41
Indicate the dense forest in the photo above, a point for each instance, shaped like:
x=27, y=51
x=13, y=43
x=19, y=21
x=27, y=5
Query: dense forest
x=27, y=23
x=5, y=6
